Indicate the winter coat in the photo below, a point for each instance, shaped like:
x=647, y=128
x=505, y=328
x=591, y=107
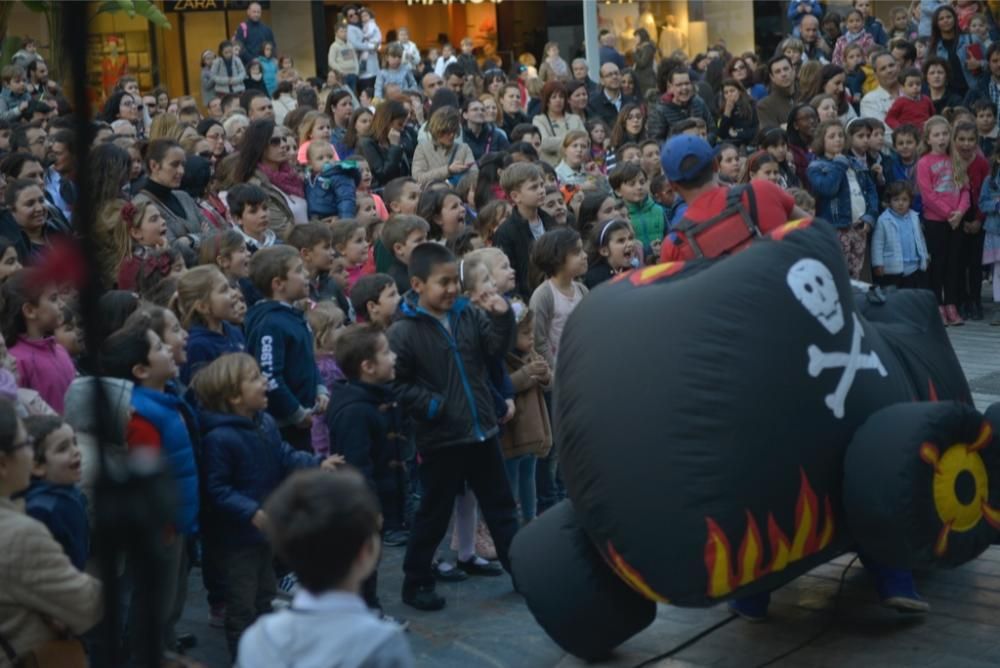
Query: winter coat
x=667, y=113
x=489, y=140
x=226, y=83
x=965, y=40
x=204, y=346
x=385, y=162
x=514, y=238
x=45, y=366
x=279, y=337
x=600, y=106
x=245, y=460
x=530, y=432
x=332, y=193
x=280, y=218
x=828, y=179
x=10, y=104
x=38, y=583
x=431, y=161
x=366, y=427
x=401, y=76
x=647, y=220
x=63, y=510
x=644, y=68
x=553, y=132
x=164, y=412
x=886, y=248
x=251, y=35
x=739, y=129
x=441, y=376
x=188, y=226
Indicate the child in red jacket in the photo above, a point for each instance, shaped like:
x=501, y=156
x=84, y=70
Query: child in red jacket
x=912, y=107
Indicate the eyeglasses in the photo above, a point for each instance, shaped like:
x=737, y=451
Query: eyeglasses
x=276, y=141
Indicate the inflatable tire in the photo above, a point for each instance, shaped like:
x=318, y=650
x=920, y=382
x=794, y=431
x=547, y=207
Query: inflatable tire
x=583, y=606
x=921, y=481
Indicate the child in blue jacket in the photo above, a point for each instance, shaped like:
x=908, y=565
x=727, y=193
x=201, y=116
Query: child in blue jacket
x=330, y=186
x=245, y=460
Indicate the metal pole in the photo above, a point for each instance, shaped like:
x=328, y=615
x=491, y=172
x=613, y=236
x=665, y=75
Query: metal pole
x=590, y=38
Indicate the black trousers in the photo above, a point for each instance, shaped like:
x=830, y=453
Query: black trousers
x=945, y=247
x=443, y=475
x=971, y=272
x=915, y=281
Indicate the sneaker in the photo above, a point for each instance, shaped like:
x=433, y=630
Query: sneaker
x=944, y=315
x=217, y=616
x=396, y=538
x=403, y=624
x=897, y=591
x=423, y=598
x=288, y=585
x=484, y=542
x=954, y=319
x=448, y=573
x=479, y=566
x=751, y=608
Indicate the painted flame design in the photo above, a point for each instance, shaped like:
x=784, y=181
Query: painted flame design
x=726, y=572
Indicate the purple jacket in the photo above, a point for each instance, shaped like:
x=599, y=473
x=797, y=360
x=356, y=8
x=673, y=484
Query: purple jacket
x=44, y=366
x=331, y=375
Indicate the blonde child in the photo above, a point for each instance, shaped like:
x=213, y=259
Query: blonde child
x=573, y=168
x=139, y=230
x=330, y=186
x=943, y=182
x=365, y=186
x=559, y=256
x=206, y=304
x=498, y=264
x=327, y=322
x=315, y=125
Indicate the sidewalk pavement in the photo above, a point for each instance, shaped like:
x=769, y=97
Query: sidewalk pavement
x=486, y=624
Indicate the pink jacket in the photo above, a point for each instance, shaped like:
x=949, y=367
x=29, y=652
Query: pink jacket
x=940, y=194
x=44, y=366
x=866, y=41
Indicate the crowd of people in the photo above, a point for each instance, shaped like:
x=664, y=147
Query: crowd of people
x=369, y=275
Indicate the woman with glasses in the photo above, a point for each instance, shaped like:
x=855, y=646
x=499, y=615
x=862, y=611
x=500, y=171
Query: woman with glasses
x=40, y=590
x=213, y=131
x=740, y=70
x=265, y=161
x=555, y=121
x=126, y=107
x=630, y=126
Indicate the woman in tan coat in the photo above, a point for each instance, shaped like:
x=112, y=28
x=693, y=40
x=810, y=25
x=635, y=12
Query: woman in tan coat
x=444, y=157
x=43, y=598
x=555, y=121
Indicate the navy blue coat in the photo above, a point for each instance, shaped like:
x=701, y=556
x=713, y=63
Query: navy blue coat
x=366, y=427
x=63, y=509
x=204, y=346
x=245, y=460
x=278, y=336
x=332, y=193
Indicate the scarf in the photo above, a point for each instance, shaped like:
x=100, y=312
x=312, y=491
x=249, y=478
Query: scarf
x=852, y=37
x=284, y=179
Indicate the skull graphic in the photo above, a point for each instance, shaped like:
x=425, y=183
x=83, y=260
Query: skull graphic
x=812, y=284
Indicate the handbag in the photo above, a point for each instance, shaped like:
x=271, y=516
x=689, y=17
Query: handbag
x=59, y=653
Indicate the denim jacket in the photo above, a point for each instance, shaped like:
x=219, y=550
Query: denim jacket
x=833, y=192
x=965, y=40
x=989, y=204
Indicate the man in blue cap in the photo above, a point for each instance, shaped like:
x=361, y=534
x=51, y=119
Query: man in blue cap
x=690, y=164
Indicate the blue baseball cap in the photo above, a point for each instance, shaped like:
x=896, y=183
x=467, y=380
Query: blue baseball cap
x=679, y=149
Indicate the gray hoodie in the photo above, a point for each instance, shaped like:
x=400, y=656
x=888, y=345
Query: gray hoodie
x=332, y=630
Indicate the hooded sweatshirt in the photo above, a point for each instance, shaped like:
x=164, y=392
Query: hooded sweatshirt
x=278, y=336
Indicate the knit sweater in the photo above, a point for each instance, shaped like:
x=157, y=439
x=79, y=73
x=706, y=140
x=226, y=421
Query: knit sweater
x=936, y=183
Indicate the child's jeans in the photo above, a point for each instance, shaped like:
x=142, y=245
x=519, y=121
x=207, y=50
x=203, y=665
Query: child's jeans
x=250, y=587
x=521, y=474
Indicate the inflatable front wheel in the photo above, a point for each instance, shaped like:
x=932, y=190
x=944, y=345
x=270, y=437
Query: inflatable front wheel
x=583, y=606
x=922, y=485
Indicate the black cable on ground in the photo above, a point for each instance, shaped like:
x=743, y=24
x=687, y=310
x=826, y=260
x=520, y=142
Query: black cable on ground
x=718, y=625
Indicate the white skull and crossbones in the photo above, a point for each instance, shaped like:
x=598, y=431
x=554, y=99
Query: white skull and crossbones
x=812, y=284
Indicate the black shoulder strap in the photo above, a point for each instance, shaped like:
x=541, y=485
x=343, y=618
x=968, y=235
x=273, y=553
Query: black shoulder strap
x=689, y=229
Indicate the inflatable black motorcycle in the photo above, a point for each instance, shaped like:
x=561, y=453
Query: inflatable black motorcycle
x=727, y=425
